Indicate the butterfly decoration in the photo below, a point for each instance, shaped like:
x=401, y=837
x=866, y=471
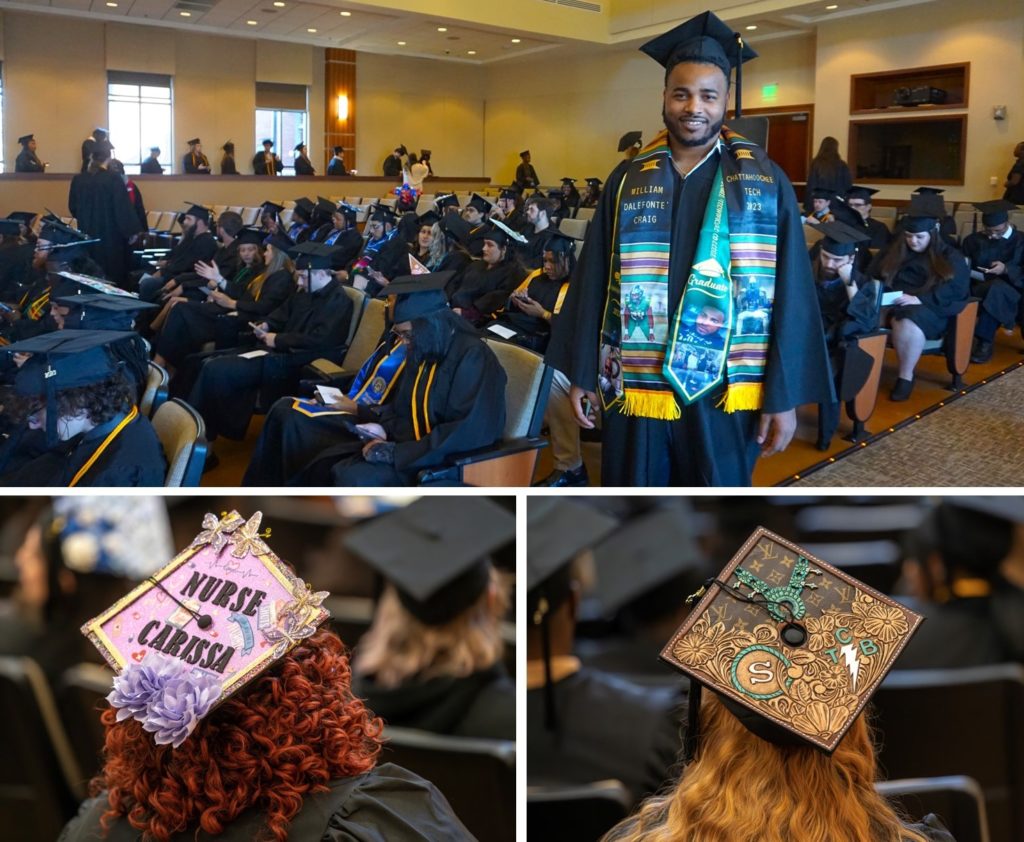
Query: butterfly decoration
x=298, y=619
x=216, y=530
x=247, y=539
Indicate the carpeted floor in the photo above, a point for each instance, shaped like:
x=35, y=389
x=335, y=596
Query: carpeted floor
x=976, y=440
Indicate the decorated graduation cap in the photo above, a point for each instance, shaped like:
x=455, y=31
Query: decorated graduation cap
x=995, y=212
x=350, y=212
x=418, y=294
x=197, y=631
x=102, y=311
x=193, y=142
x=841, y=239
x=924, y=212
x=705, y=39
x=438, y=567
x=630, y=139
x=56, y=232
x=312, y=255
x=480, y=203
x=499, y=226
x=200, y=212
x=860, y=192
x=25, y=140
x=794, y=647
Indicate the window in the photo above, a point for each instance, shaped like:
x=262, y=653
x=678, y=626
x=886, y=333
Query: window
x=139, y=107
x=281, y=115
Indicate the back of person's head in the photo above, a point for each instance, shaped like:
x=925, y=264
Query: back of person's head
x=969, y=542
x=398, y=647
x=296, y=727
x=432, y=335
x=742, y=788
x=231, y=222
x=116, y=166
x=100, y=157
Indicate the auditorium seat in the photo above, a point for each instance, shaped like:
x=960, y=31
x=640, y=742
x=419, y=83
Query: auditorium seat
x=513, y=460
x=959, y=722
x=956, y=799
x=359, y=300
x=182, y=433
x=363, y=342
x=575, y=228
x=577, y=813
x=250, y=216
x=81, y=697
x=586, y=213
x=956, y=344
x=40, y=783
x=155, y=392
x=477, y=776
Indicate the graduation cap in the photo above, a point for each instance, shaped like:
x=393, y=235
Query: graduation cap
x=995, y=212
x=438, y=567
x=490, y=233
x=560, y=243
x=325, y=206
x=862, y=193
x=792, y=646
x=428, y=218
x=199, y=212
x=508, y=193
x=418, y=295
x=279, y=241
x=304, y=203
x=102, y=311
x=930, y=191
x=823, y=193
x=154, y=148
x=566, y=181
x=350, y=212
x=457, y=228
x=217, y=615
x=24, y=217
x=924, y=212
x=272, y=208
x=524, y=153
x=594, y=182
x=312, y=255
x=250, y=236
x=480, y=203
x=644, y=553
x=382, y=213
x=24, y=140
x=630, y=139
x=229, y=146
x=300, y=146
x=841, y=239
x=193, y=142
x=842, y=212
x=446, y=200
x=58, y=234
x=10, y=228
x=267, y=140
x=704, y=39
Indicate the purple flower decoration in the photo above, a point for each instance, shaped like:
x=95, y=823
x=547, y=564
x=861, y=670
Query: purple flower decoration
x=137, y=686
x=174, y=714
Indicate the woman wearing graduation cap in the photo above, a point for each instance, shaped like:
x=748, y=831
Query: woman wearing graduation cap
x=432, y=658
x=27, y=160
x=232, y=714
x=591, y=194
x=485, y=284
x=933, y=279
x=778, y=748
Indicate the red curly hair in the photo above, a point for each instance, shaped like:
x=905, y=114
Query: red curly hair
x=281, y=738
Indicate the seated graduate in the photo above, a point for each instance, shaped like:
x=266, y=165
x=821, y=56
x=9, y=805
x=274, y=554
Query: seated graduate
x=508, y=208
x=382, y=255
x=541, y=225
x=428, y=245
x=770, y=701
x=859, y=198
x=570, y=196
x=486, y=283
x=531, y=309
x=226, y=313
x=312, y=322
x=591, y=194
x=270, y=220
x=197, y=244
x=570, y=707
x=821, y=211
x=301, y=228
x=933, y=278
x=340, y=230
x=191, y=283
x=946, y=223
x=273, y=741
x=432, y=658
x=559, y=209
x=996, y=254
x=15, y=260
x=849, y=304
x=955, y=569
x=75, y=398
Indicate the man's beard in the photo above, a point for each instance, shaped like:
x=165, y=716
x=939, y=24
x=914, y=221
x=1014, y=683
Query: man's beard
x=711, y=134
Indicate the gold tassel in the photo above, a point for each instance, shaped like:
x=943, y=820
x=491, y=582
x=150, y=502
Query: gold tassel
x=739, y=396
x=660, y=405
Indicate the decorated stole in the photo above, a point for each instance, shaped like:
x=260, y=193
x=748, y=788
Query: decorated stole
x=721, y=328
x=373, y=383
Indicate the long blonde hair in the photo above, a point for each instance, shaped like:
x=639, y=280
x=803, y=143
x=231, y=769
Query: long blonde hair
x=398, y=647
x=741, y=788
x=279, y=259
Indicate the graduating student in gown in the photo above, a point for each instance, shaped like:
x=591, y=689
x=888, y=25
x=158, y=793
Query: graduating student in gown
x=312, y=322
x=665, y=421
x=485, y=284
x=303, y=166
x=77, y=395
x=432, y=658
x=28, y=160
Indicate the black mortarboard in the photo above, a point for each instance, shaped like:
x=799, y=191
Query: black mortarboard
x=705, y=39
x=250, y=236
x=299, y=145
x=154, y=148
x=840, y=239
x=56, y=232
x=424, y=153
x=842, y=212
x=793, y=647
x=199, y=212
x=312, y=255
x=823, y=193
x=102, y=311
x=508, y=193
x=349, y=211
x=567, y=180
x=995, y=212
x=418, y=295
x=24, y=139
x=267, y=140
x=272, y=208
x=428, y=218
x=24, y=217
x=383, y=213
x=10, y=228
x=480, y=203
x=447, y=200
x=325, y=206
x=630, y=139
x=524, y=153
x=457, y=228
x=279, y=241
x=645, y=552
x=930, y=191
x=503, y=228
x=304, y=203
x=495, y=233
x=193, y=142
x=594, y=182
x=229, y=146
x=438, y=566
x=560, y=243
x=862, y=193
x=924, y=213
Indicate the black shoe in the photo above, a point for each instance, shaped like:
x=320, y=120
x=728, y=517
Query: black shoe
x=901, y=391
x=982, y=351
x=576, y=478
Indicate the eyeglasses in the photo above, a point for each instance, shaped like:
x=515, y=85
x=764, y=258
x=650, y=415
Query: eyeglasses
x=404, y=335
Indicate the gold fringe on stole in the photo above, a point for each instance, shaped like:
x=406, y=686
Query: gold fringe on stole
x=660, y=405
x=739, y=396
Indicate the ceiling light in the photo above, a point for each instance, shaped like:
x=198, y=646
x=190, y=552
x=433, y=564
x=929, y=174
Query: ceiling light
x=112, y=5
x=185, y=14
x=346, y=14
x=252, y=22
x=401, y=43
x=517, y=40
x=752, y=27
x=279, y=4
x=442, y=29
x=311, y=30
x=471, y=52
x=833, y=6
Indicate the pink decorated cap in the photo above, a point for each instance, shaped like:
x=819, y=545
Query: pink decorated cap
x=200, y=628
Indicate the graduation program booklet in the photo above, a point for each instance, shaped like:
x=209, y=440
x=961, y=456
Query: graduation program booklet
x=501, y=330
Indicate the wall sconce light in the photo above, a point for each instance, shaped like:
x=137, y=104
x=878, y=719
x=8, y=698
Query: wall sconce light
x=342, y=107
x=999, y=112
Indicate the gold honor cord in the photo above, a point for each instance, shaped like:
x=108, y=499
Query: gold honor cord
x=131, y=416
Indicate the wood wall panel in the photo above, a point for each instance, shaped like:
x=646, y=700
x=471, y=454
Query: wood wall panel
x=339, y=78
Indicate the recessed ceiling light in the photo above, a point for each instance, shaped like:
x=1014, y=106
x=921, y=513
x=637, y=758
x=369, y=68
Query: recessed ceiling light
x=346, y=14
x=752, y=27
x=252, y=22
x=833, y=6
x=471, y=52
x=279, y=4
x=311, y=30
x=185, y=14
x=112, y=5
x=401, y=43
x=517, y=40
x=442, y=29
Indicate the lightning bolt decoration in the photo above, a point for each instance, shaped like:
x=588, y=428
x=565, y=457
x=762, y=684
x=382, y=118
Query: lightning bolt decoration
x=849, y=653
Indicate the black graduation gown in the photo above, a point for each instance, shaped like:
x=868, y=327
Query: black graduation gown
x=15, y=266
x=227, y=165
x=707, y=446
x=194, y=286
x=151, y=166
x=181, y=260
x=879, y=233
x=526, y=177
x=89, y=145
x=937, y=304
x=384, y=805
x=306, y=327
x=133, y=459
x=531, y=253
x=479, y=290
x=392, y=167
x=1000, y=295
x=192, y=324
x=482, y=704
x=259, y=165
x=303, y=166
x=608, y=727
x=350, y=241
x=28, y=161
x=190, y=163
x=532, y=332
x=336, y=167
x=100, y=203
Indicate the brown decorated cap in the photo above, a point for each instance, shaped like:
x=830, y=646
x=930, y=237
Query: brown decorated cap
x=788, y=637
